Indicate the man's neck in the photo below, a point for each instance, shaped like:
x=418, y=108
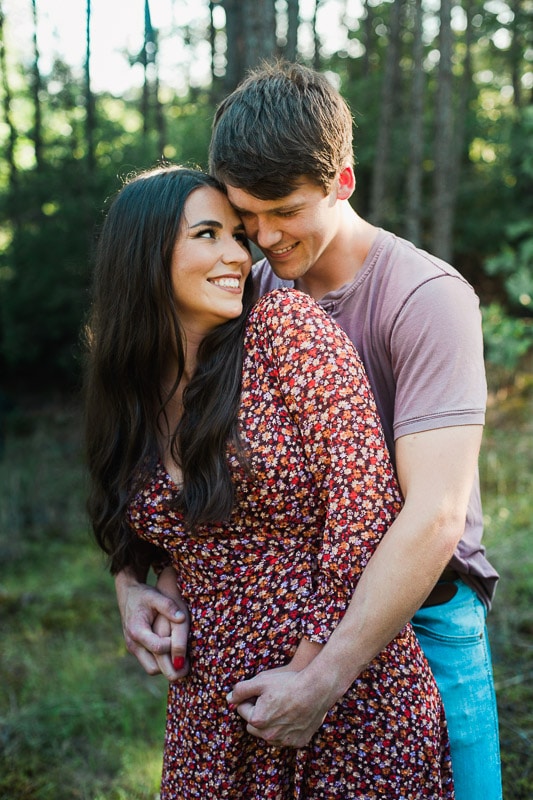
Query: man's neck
x=342, y=259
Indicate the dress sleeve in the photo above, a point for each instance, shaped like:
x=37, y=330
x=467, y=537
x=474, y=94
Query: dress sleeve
x=327, y=394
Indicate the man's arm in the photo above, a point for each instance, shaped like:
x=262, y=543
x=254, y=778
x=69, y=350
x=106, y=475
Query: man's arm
x=436, y=470
x=139, y=605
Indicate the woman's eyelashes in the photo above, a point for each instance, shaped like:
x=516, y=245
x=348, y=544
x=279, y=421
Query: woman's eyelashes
x=214, y=233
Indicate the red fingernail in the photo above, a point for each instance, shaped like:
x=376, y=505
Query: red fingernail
x=178, y=663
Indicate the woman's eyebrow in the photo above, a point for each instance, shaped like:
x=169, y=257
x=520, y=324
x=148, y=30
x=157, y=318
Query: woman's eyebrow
x=212, y=223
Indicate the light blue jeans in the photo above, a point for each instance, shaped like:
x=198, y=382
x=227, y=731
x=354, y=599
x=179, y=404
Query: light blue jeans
x=454, y=639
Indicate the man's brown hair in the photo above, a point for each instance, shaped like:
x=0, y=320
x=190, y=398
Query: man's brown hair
x=282, y=122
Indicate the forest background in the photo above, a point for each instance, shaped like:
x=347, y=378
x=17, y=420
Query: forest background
x=442, y=97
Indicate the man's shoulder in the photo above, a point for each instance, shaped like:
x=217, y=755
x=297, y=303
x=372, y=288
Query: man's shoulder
x=412, y=261
x=265, y=279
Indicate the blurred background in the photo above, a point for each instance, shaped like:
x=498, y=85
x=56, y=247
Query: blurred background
x=442, y=98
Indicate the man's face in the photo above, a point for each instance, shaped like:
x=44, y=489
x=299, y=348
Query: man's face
x=293, y=232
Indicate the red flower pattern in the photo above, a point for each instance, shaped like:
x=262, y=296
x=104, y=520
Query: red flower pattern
x=319, y=495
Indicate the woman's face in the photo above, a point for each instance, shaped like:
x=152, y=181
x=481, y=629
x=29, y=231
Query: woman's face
x=210, y=262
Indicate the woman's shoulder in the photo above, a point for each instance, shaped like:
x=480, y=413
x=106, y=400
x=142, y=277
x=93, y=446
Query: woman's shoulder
x=290, y=318
x=285, y=303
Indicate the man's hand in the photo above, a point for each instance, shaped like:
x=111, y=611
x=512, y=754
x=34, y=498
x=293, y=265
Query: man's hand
x=281, y=707
x=140, y=605
x=287, y=705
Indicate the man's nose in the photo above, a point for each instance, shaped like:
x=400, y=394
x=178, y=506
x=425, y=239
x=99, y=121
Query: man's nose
x=267, y=234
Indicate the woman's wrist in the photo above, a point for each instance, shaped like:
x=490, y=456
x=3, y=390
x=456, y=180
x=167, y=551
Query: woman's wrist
x=167, y=583
x=307, y=651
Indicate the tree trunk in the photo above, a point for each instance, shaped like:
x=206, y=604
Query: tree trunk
x=261, y=32
x=147, y=59
x=293, y=23
x=159, y=118
x=466, y=88
x=516, y=51
x=151, y=109
x=379, y=195
x=316, y=38
x=367, y=36
x=89, y=97
x=250, y=36
x=212, y=41
x=442, y=205
x=217, y=88
x=6, y=104
x=36, y=94
x=413, y=223
x=235, y=44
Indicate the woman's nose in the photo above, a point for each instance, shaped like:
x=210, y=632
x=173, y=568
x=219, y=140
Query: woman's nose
x=236, y=253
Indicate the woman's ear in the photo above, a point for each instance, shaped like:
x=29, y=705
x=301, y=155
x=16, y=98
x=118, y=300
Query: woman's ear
x=346, y=183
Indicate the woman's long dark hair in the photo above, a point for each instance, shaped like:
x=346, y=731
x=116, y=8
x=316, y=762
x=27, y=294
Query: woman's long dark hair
x=133, y=326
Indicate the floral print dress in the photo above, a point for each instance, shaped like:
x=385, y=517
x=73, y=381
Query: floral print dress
x=310, y=510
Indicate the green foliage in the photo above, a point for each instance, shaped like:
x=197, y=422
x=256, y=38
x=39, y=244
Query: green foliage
x=514, y=264
x=51, y=219
x=189, y=130
x=50, y=213
x=78, y=718
x=508, y=322
x=506, y=470
x=45, y=267
x=507, y=338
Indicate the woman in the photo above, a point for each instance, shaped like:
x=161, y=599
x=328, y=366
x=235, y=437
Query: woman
x=241, y=448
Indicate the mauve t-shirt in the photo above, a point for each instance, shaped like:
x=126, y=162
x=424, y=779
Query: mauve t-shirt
x=416, y=324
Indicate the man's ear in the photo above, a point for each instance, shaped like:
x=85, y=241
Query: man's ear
x=346, y=183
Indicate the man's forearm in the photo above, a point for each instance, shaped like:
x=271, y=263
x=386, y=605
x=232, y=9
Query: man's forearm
x=393, y=586
x=127, y=578
x=436, y=471
x=286, y=706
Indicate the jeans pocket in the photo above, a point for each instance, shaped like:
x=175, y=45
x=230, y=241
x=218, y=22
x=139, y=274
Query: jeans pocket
x=461, y=640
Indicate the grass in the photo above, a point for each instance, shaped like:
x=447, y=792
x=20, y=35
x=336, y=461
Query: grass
x=79, y=720
x=507, y=483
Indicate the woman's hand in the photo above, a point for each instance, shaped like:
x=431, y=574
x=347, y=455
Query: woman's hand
x=140, y=605
x=174, y=664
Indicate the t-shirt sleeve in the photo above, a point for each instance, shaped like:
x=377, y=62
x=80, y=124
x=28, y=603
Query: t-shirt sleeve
x=437, y=358
x=328, y=397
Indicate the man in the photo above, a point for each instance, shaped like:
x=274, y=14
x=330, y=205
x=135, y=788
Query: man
x=282, y=144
